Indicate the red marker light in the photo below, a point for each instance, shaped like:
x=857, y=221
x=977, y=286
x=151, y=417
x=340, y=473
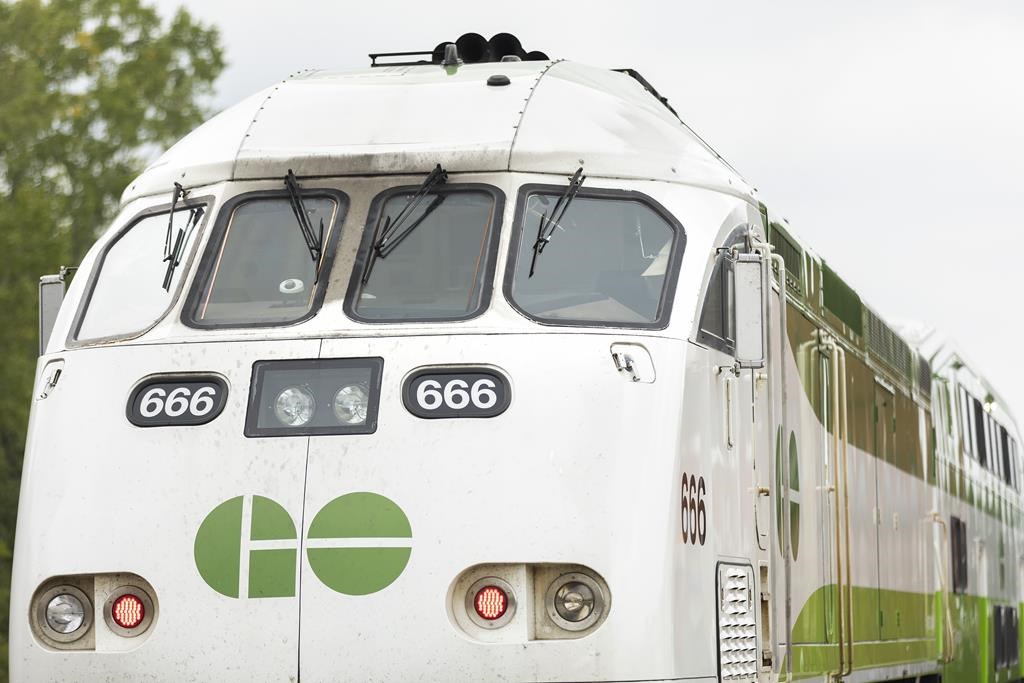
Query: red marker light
x=490, y=602
x=128, y=611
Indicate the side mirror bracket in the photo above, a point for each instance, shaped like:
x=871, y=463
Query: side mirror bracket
x=751, y=310
x=51, y=295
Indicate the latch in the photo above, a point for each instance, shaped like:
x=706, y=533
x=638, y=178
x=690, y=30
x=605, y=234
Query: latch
x=633, y=362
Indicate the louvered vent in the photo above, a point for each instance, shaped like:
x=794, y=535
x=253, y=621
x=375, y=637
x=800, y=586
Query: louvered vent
x=737, y=627
x=887, y=346
x=841, y=300
x=924, y=378
x=791, y=255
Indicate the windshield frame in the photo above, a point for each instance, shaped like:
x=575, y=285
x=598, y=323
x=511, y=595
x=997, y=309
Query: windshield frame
x=205, y=202
x=520, y=232
x=490, y=252
x=215, y=244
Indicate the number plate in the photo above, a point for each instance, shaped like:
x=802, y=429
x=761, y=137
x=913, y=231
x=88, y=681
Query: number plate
x=177, y=401
x=435, y=393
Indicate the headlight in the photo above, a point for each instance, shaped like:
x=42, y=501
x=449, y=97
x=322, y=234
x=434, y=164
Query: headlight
x=65, y=614
x=574, y=601
x=351, y=404
x=314, y=397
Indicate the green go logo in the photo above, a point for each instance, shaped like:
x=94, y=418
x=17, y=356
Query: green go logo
x=357, y=544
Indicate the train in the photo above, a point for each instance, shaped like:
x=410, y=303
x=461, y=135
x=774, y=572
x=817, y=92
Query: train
x=477, y=365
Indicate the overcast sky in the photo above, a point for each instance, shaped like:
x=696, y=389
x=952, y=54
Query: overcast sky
x=889, y=133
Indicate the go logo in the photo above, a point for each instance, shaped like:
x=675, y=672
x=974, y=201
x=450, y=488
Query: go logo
x=794, y=492
x=357, y=544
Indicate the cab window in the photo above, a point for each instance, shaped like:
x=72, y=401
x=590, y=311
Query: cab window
x=717, y=317
x=132, y=285
x=610, y=260
x=426, y=257
x=259, y=269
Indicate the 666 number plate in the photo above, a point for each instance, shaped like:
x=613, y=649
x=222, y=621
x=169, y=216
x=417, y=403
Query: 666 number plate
x=435, y=393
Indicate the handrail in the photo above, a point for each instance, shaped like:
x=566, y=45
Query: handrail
x=948, y=640
x=833, y=350
x=844, y=413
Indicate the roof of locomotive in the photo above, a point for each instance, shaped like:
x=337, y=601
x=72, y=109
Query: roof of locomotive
x=552, y=117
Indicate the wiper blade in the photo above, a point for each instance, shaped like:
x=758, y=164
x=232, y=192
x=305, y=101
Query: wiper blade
x=184, y=234
x=389, y=233
x=549, y=222
x=314, y=241
x=179, y=193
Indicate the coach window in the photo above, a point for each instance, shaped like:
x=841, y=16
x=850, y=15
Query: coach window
x=717, y=318
x=132, y=285
x=259, y=269
x=610, y=259
x=433, y=263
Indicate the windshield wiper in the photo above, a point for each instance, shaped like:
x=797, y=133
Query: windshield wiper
x=314, y=241
x=389, y=233
x=179, y=193
x=549, y=222
x=174, y=255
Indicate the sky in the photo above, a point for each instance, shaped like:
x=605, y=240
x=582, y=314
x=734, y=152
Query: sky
x=890, y=134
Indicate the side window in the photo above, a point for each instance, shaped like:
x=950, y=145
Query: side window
x=132, y=286
x=611, y=259
x=717, y=319
x=979, y=432
x=958, y=549
x=258, y=269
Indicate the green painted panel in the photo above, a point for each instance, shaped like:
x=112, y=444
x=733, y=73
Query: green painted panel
x=218, y=547
x=358, y=571
x=270, y=521
x=272, y=573
x=360, y=515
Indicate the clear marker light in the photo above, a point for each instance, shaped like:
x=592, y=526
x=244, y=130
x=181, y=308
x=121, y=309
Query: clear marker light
x=574, y=601
x=350, y=404
x=65, y=613
x=294, y=406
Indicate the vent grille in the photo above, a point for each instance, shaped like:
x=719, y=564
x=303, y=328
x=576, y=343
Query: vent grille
x=841, y=300
x=791, y=255
x=737, y=628
x=887, y=346
x=924, y=378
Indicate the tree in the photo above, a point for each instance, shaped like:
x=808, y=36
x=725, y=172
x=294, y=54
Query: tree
x=88, y=88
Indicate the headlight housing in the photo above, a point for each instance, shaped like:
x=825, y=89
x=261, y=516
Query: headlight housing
x=63, y=613
x=574, y=601
x=314, y=397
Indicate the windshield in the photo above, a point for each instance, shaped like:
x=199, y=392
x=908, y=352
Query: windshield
x=605, y=262
x=128, y=292
x=438, y=266
x=259, y=270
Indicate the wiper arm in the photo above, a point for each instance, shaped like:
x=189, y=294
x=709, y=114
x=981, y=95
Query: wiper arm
x=389, y=233
x=179, y=193
x=549, y=222
x=184, y=233
x=314, y=241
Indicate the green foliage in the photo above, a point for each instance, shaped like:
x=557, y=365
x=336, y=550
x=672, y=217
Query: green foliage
x=89, y=88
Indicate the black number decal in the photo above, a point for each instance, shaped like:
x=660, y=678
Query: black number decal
x=434, y=393
x=685, y=507
x=177, y=401
x=693, y=510
x=702, y=518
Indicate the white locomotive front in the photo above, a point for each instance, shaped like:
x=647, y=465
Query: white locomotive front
x=440, y=372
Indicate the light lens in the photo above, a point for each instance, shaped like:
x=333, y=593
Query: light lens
x=574, y=601
x=351, y=404
x=490, y=603
x=128, y=611
x=65, y=613
x=294, y=406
